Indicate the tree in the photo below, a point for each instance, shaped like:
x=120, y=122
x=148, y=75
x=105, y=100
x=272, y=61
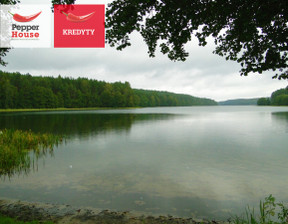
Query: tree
x=280, y=97
x=281, y=100
x=3, y=52
x=263, y=101
x=253, y=33
x=26, y=91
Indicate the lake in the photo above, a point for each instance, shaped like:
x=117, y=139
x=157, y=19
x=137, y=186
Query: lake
x=203, y=162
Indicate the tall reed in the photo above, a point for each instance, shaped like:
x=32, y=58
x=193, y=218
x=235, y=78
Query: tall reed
x=270, y=212
x=15, y=148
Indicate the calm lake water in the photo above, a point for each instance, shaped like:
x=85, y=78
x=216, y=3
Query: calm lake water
x=185, y=161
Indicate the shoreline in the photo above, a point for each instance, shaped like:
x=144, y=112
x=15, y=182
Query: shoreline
x=92, y=108
x=67, y=214
x=65, y=109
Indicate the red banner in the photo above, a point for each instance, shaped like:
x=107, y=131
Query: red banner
x=79, y=26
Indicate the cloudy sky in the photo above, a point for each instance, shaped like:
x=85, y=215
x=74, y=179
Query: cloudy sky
x=203, y=74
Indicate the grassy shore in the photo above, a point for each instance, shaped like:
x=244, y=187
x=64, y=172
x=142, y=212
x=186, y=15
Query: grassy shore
x=65, y=109
x=8, y=220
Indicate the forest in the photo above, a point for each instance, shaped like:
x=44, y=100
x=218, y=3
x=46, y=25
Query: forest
x=278, y=98
x=233, y=102
x=18, y=91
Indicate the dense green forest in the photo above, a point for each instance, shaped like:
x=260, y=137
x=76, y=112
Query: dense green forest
x=26, y=91
x=278, y=98
x=252, y=101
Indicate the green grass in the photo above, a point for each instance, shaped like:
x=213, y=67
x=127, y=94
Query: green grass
x=7, y=220
x=270, y=212
x=63, y=109
x=15, y=146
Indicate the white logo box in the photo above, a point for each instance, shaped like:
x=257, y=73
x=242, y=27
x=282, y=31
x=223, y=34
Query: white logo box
x=32, y=34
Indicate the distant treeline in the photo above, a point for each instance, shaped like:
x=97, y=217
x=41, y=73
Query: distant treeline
x=26, y=91
x=278, y=98
x=239, y=102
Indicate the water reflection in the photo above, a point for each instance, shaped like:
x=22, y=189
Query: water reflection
x=70, y=124
x=78, y=124
x=208, y=162
x=281, y=118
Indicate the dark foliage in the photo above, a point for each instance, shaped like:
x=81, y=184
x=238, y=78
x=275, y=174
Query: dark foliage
x=3, y=52
x=25, y=91
x=253, y=33
x=263, y=101
x=278, y=98
x=252, y=101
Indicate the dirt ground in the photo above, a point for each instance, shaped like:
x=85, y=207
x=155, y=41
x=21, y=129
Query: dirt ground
x=66, y=214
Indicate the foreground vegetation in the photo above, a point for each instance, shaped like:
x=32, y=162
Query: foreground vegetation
x=25, y=91
x=270, y=212
x=8, y=220
x=15, y=146
x=278, y=98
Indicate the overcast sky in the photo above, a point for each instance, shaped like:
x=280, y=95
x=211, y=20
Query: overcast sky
x=203, y=74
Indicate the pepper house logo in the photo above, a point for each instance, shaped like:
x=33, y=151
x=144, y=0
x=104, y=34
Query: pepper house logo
x=79, y=26
x=25, y=31
x=26, y=26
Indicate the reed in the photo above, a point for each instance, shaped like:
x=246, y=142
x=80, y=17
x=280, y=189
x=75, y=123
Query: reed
x=15, y=148
x=270, y=212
